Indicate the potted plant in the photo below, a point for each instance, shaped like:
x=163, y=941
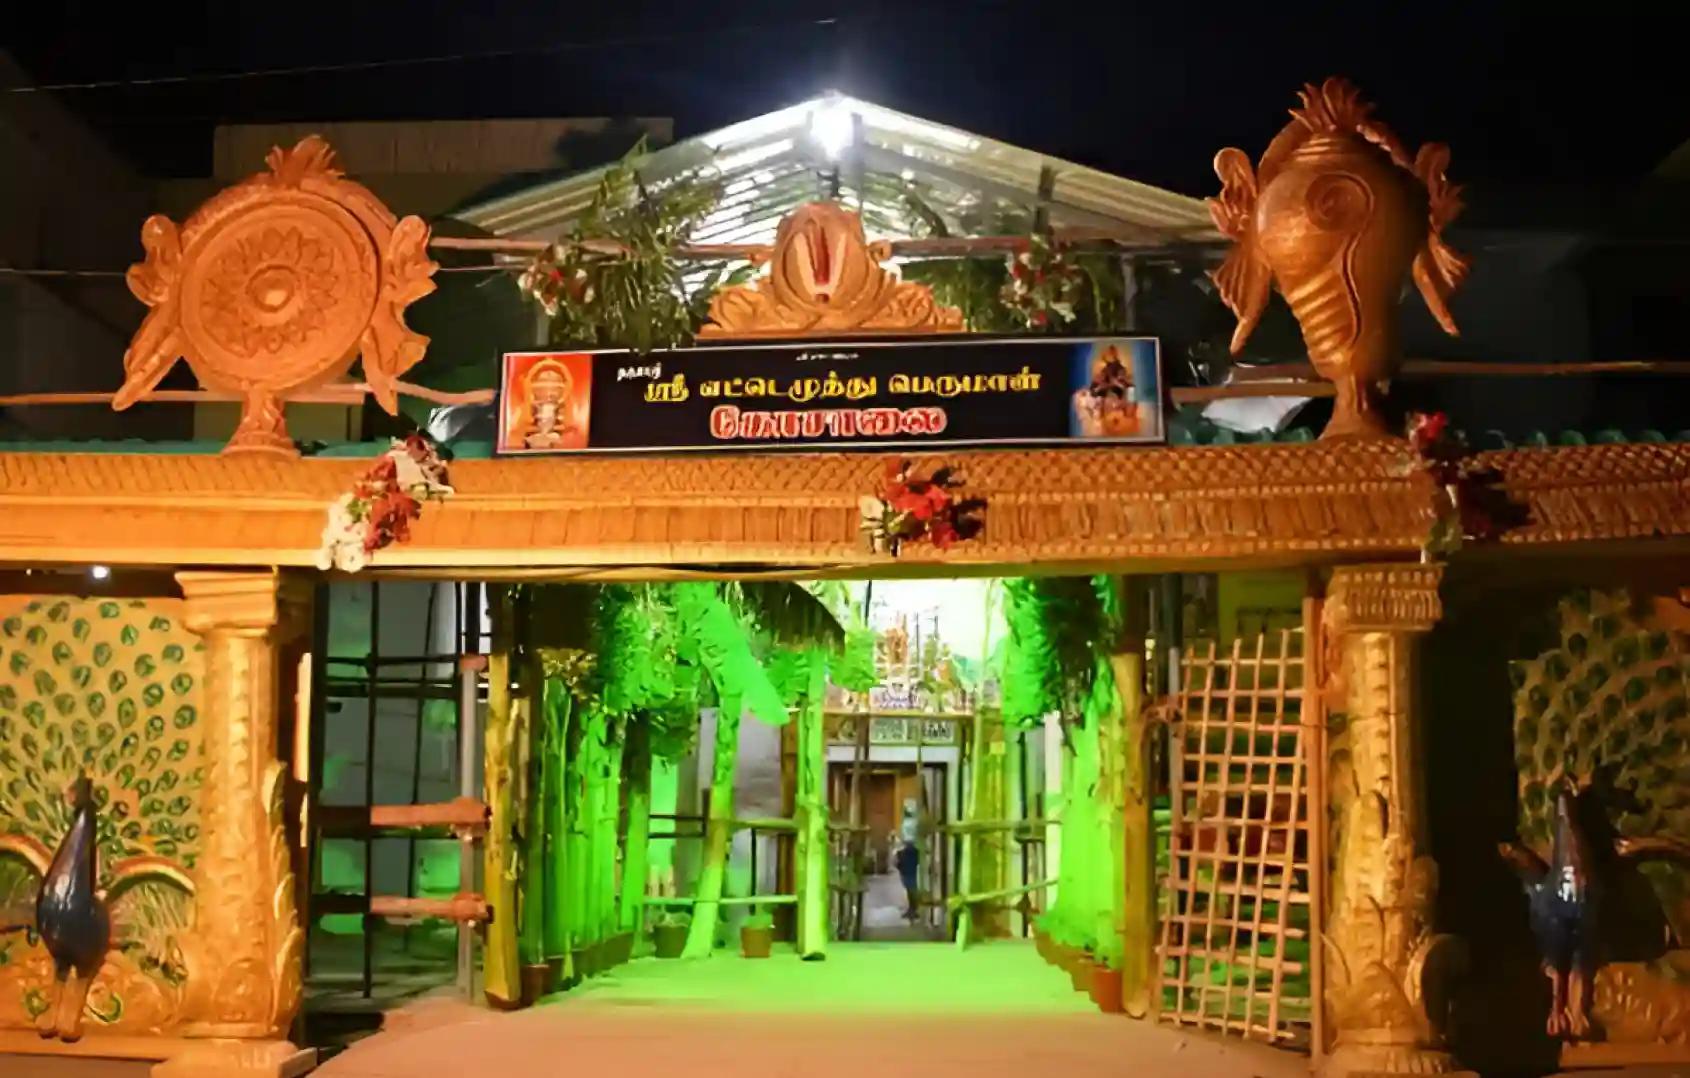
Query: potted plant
x=1106, y=988
x=618, y=949
x=1079, y=971
x=584, y=959
x=669, y=934
x=757, y=936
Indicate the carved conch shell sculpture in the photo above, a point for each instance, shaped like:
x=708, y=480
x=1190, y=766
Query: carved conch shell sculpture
x=273, y=287
x=1336, y=214
x=825, y=277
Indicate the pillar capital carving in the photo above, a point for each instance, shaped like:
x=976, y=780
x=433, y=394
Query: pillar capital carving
x=233, y=600
x=251, y=601
x=1383, y=598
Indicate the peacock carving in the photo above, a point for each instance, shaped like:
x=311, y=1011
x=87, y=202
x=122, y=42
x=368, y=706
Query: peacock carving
x=1601, y=733
x=99, y=813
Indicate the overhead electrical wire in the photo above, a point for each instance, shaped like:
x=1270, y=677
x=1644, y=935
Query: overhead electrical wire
x=420, y=61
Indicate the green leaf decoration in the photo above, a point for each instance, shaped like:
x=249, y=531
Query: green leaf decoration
x=110, y=610
x=126, y=712
x=185, y=716
x=96, y=704
x=144, y=666
x=80, y=628
x=102, y=654
x=173, y=653
x=36, y=636
x=45, y=683
x=182, y=684
x=61, y=653
x=59, y=611
x=8, y=697
x=153, y=695
x=19, y=662
x=12, y=626
x=64, y=704
x=117, y=681
x=159, y=624
x=129, y=635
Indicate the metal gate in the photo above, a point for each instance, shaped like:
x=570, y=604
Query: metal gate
x=1238, y=955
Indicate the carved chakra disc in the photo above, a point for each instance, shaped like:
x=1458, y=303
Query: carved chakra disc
x=278, y=299
x=272, y=288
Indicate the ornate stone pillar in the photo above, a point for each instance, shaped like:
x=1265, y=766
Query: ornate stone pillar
x=246, y=949
x=1387, y=970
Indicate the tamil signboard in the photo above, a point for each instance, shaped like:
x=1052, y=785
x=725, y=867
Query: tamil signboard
x=853, y=395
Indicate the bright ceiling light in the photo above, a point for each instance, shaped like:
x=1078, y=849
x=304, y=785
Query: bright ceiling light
x=100, y=572
x=834, y=128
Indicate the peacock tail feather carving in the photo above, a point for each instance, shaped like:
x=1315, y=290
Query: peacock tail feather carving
x=1612, y=696
x=111, y=689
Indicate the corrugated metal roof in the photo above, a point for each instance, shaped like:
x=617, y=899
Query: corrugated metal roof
x=770, y=164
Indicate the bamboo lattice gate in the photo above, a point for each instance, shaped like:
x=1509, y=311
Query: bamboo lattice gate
x=1240, y=894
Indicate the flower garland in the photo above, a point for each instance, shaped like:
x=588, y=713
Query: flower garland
x=381, y=506
x=1471, y=502
x=912, y=509
x=1042, y=283
x=552, y=280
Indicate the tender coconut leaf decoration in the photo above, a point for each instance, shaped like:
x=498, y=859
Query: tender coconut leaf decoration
x=791, y=615
x=714, y=638
x=1057, y=627
x=614, y=281
x=853, y=668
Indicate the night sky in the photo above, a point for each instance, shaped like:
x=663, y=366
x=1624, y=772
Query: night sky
x=1525, y=95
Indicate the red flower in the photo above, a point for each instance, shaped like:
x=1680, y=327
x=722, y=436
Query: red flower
x=418, y=448
x=1425, y=431
x=943, y=533
x=915, y=504
x=385, y=470
x=390, y=520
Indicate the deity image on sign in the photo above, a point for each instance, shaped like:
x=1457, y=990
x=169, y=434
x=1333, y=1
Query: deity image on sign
x=547, y=399
x=1119, y=395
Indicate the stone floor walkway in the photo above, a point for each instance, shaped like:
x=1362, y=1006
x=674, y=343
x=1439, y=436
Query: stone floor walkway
x=890, y=1010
